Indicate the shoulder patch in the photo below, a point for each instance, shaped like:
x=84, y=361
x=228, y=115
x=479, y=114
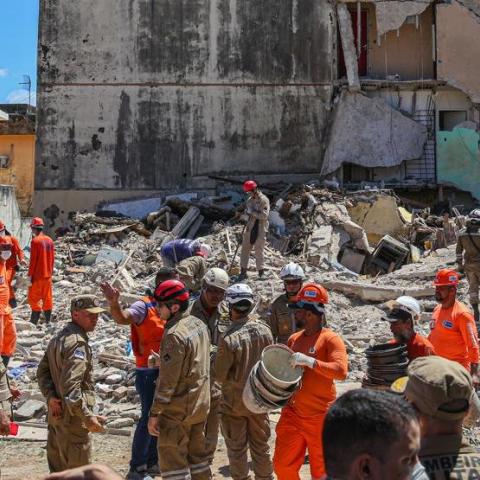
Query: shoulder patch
x=79, y=353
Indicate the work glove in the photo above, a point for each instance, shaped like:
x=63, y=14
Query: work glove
x=301, y=360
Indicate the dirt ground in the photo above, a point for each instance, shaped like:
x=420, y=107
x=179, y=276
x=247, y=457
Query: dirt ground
x=23, y=460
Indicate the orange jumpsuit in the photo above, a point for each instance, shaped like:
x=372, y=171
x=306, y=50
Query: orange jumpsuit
x=42, y=255
x=12, y=262
x=417, y=346
x=301, y=422
x=8, y=334
x=454, y=334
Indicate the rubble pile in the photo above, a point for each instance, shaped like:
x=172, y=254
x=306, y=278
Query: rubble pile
x=334, y=237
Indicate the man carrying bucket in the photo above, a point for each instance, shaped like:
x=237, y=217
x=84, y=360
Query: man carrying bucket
x=323, y=355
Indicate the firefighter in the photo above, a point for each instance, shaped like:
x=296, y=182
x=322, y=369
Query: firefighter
x=8, y=333
x=211, y=308
x=182, y=394
x=323, y=356
x=281, y=318
x=239, y=350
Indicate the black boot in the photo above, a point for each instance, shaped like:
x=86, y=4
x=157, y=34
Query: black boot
x=476, y=315
x=243, y=275
x=13, y=302
x=48, y=316
x=35, y=317
x=5, y=360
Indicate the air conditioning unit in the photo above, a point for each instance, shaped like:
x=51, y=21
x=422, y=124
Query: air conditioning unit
x=4, y=161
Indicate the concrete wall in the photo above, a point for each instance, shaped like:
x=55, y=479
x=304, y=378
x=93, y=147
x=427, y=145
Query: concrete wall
x=158, y=94
x=20, y=173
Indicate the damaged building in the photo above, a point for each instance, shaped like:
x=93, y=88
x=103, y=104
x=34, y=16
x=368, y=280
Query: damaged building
x=145, y=96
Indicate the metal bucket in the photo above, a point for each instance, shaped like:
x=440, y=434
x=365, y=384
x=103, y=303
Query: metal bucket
x=264, y=391
x=253, y=401
x=275, y=365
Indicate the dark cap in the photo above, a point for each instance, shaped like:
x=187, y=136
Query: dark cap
x=90, y=303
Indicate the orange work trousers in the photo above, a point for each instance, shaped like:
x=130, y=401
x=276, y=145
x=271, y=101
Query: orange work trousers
x=40, y=295
x=10, y=277
x=296, y=435
x=8, y=335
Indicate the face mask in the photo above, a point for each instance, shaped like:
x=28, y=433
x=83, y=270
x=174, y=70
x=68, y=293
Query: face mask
x=6, y=255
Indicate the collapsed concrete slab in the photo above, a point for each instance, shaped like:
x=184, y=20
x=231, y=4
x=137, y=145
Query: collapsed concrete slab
x=348, y=45
x=391, y=15
x=383, y=136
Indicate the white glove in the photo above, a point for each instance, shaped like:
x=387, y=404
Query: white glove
x=301, y=360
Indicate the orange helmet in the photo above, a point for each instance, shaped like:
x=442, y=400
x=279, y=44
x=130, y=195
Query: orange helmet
x=36, y=222
x=249, y=186
x=311, y=297
x=446, y=278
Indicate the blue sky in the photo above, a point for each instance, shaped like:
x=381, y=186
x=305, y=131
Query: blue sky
x=18, y=48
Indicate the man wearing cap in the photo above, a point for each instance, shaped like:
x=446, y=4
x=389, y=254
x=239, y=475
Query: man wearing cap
x=403, y=314
x=281, y=318
x=40, y=271
x=65, y=379
x=323, y=356
x=147, y=330
x=239, y=350
x=182, y=394
x=254, y=236
x=441, y=392
x=453, y=333
x=211, y=308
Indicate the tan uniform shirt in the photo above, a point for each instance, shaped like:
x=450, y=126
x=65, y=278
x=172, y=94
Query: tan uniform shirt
x=258, y=207
x=449, y=456
x=191, y=271
x=468, y=248
x=65, y=372
x=183, y=390
x=238, y=351
x=281, y=319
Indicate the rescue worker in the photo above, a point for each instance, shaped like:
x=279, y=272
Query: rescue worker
x=211, y=308
x=12, y=263
x=5, y=397
x=174, y=251
x=323, y=355
x=65, y=379
x=40, y=271
x=192, y=270
x=441, y=392
x=182, y=395
x=258, y=210
x=468, y=259
x=281, y=318
x=239, y=350
x=405, y=311
x=8, y=332
x=147, y=329
x=452, y=330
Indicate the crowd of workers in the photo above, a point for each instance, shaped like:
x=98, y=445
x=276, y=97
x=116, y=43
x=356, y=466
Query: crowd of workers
x=194, y=356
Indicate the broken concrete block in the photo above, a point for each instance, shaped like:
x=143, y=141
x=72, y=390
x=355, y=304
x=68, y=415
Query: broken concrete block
x=120, y=392
x=30, y=409
x=348, y=45
x=353, y=260
x=120, y=423
x=114, y=379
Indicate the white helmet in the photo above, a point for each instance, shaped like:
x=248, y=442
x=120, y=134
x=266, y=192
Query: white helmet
x=474, y=217
x=238, y=293
x=205, y=250
x=292, y=271
x=408, y=304
x=216, y=277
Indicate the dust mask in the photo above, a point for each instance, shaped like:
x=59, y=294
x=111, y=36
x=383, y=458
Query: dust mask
x=6, y=254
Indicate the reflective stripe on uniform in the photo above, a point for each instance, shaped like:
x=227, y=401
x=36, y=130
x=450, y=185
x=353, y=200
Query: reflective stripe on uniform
x=199, y=467
x=183, y=474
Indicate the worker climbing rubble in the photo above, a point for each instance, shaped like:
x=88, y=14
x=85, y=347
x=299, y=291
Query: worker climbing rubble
x=281, y=318
x=468, y=259
x=212, y=309
x=40, y=272
x=254, y=235
x=65, y=378
x=323, y=356
x=404, y=312
x=182, y=395
x=453, y=332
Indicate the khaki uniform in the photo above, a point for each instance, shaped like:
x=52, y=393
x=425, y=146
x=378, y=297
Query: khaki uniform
x=281, y=319
x=4, y=390
x=468, y=255
x=258, y=208
x=65, y=372
x=217, y=324
x=182, y=399
x=449, y=456
x=238, y=351
x=191, y=271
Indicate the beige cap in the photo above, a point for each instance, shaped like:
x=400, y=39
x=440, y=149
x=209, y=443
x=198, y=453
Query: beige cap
x=437, y=387
x=90, y=303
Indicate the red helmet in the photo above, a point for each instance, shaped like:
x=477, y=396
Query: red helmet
x=249, y=186
x=37, y=222
x=312, y=297
x=171, y=290
x=446, y=278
